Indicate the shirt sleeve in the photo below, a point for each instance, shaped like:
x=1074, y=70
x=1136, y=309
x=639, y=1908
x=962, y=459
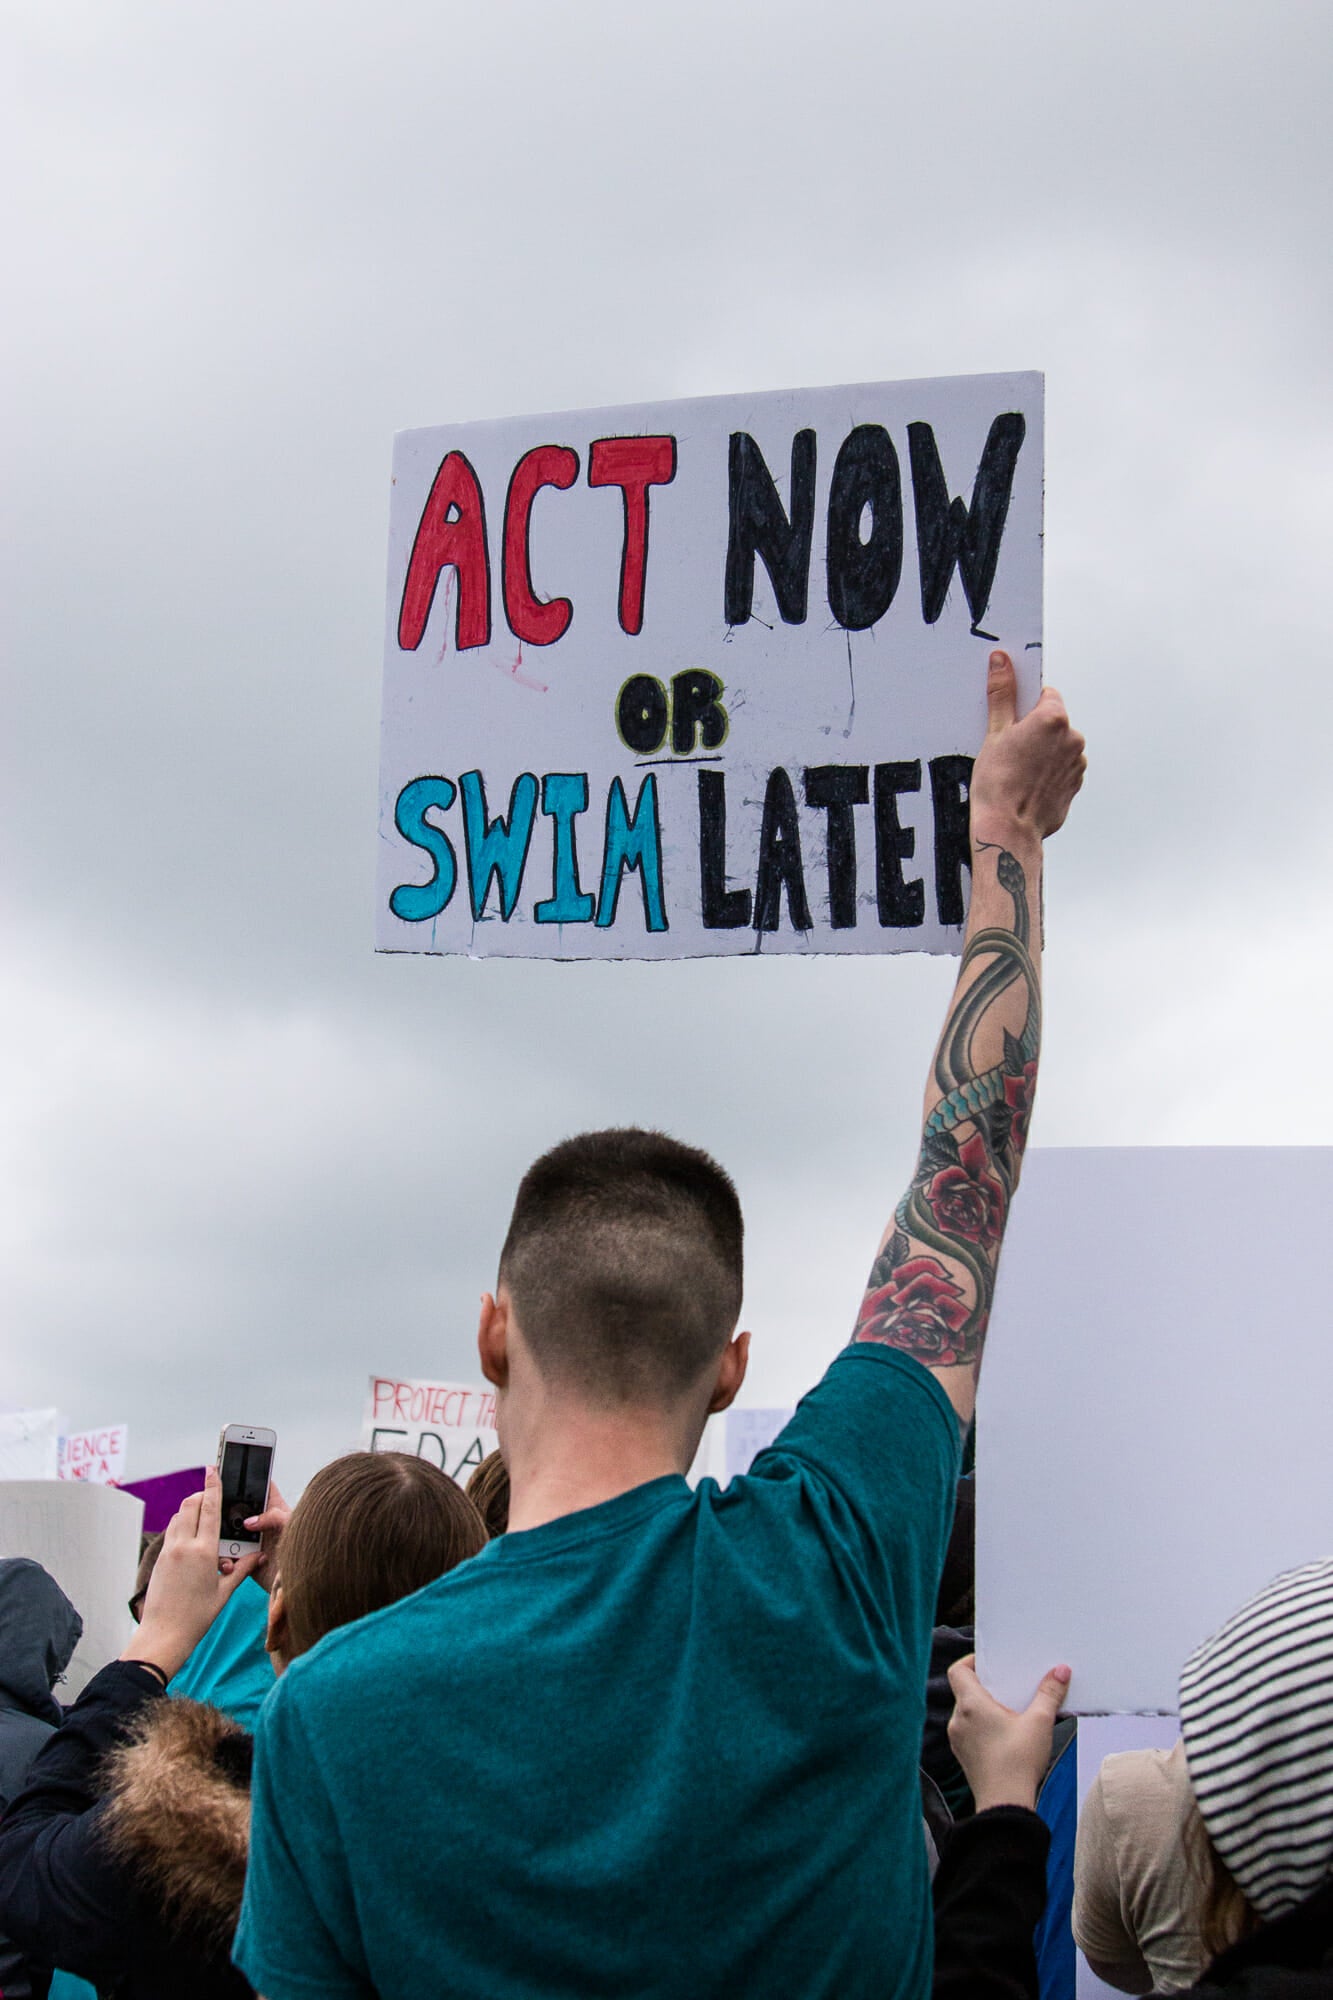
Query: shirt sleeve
x=877, y=1444
x=989, y=1893
x=296, y=1938
x=1100, y=1930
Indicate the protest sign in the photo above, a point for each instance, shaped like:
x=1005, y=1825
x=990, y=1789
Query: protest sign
x=748, y=1433
x=163, y=1495
x=702, y=677
x=29, y=1444
x=450, y=1423
x=1152, y=1430
x=98, y=1456
x=87, y=1536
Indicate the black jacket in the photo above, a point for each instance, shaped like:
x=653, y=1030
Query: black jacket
x=39, y=1629
x=989, y=1892
x=123, y=1857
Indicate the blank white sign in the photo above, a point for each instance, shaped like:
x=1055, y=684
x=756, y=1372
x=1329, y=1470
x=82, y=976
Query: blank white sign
x=1153, y=1424
x=88, y=1538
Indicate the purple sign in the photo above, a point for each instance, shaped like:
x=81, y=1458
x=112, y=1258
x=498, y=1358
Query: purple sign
x=163, y=1495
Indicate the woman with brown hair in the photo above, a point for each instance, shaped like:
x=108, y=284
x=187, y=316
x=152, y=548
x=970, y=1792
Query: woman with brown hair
x=488, y=1489
x=123, y=1859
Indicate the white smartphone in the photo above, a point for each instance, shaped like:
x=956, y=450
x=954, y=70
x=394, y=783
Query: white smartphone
x=245, y=1467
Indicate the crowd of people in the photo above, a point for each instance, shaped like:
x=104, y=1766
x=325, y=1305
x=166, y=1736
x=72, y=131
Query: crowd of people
x=585, y=1729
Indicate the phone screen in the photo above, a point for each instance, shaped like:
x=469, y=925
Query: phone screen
x=245, y=1474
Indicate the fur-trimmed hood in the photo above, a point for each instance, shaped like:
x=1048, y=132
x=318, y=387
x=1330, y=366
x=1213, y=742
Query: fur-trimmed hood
x=176, y=1812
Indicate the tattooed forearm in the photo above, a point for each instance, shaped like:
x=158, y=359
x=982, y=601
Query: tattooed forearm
x=931, y=1286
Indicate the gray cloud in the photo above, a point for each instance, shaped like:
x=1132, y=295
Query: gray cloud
x=250, y=246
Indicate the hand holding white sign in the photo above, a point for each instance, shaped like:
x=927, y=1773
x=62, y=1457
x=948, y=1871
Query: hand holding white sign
x=1029, y=769
x=1004, y=1752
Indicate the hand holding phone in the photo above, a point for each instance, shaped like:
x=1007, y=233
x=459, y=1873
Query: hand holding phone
x=269, y=1526
x=186, y=1593
x=245, y=1466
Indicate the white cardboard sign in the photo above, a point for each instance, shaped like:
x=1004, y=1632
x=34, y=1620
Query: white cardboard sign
x=701, y=677
x=98, y=1456
x=450, y=1423
x=87, y=1536
x=748, y=1433
x=29, y=1444
x=1152, y=1428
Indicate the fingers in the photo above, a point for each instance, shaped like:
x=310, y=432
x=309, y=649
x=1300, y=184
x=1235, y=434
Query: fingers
x=235, y=1572
x=275, y=1516
x=972, y=1699
x=184, y=1523
x=963, y=1678
x=1049, y=1697
x=1001, y=693
x=210, y=1506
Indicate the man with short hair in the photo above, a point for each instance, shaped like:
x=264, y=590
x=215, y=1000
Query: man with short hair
x=659, y=1741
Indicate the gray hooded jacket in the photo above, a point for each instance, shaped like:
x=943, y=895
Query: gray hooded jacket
x=39, y=1629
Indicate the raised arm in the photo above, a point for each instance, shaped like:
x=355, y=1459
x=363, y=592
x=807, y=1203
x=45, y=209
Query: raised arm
x=931, y=1285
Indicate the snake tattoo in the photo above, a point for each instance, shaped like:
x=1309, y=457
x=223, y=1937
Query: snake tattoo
x=958, y=1200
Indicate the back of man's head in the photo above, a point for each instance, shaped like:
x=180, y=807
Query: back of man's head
x=624, y=1264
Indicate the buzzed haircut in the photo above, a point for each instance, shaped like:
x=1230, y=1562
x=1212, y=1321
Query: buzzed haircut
x=624, y=1261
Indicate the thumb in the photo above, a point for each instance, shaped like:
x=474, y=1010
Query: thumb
x=1001, y=693
x=244, y=1566
x=1050, y=1695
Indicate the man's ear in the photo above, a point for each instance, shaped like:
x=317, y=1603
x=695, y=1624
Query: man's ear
x=730, y=1373
x=493, y=1339
x=276, y=1635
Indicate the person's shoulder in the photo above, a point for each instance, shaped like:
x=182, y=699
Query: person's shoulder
x=1148, y=1773
x=868, y=1377
x=1145, y=1788
x=17, y=1723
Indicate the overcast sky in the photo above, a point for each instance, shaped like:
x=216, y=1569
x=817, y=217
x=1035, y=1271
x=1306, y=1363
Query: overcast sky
x=248, y=1161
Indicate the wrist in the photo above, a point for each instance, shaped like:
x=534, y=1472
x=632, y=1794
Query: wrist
x=1016, y=1791
x=161, y=1677
x=152, y=1647
x=1009, y=831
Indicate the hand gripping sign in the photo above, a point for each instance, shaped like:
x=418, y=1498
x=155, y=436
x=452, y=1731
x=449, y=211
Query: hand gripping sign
x=702, y=677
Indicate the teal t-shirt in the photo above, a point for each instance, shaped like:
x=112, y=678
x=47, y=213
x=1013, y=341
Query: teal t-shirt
x=229, y=1667
x=667, y=1746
